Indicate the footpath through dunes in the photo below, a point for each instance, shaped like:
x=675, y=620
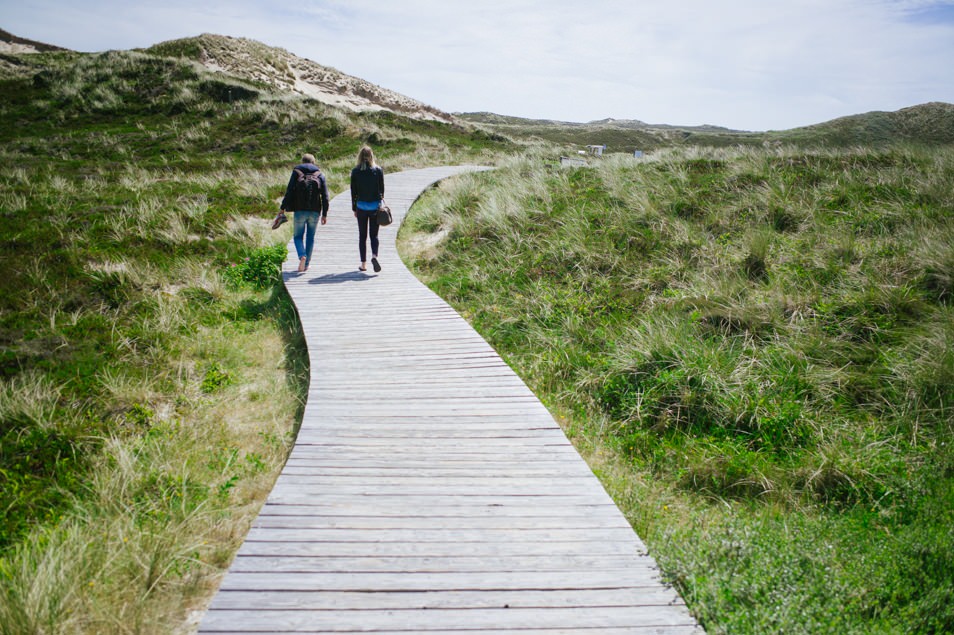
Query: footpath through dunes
x=428, y=491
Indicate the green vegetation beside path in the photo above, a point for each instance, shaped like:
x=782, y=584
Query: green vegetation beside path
x=755, y=351
x=152, y=370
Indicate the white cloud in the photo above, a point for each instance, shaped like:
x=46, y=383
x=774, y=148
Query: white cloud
x=740, y=63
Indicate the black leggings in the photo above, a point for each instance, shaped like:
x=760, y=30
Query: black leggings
x=366, y=220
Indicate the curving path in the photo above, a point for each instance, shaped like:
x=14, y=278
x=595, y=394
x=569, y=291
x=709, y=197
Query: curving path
x=428, y=491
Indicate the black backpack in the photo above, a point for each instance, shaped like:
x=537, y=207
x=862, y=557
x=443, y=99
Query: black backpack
x=308, y=190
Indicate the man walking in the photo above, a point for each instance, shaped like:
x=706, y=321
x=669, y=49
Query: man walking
x=307, y=196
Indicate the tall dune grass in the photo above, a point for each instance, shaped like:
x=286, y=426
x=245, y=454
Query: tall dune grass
x=157, y=403
x=753, y=348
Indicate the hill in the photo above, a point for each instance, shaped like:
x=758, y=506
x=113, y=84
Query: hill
x=15, y=53
x=10, y=43
x=619, y=135
x=280, y=70
x=930, y=124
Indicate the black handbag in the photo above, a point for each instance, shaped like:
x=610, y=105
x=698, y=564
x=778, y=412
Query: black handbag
x=384, y=215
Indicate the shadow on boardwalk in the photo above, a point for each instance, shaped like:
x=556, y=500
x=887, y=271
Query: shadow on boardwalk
x=337, y=278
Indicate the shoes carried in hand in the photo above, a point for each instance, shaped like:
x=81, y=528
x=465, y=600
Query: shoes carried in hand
x=374, y=263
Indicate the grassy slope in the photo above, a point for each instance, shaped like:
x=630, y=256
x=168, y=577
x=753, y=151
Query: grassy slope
x=151, y=368
x=930, y=124
x=754, y=350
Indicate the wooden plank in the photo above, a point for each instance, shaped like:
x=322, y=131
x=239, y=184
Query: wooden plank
x=349, y=600
x=379, y=469
x=436, y=522
x=292, y=495
x=439, y=444
x=413, y=416
x=478, y=451
x=411, y=433
x=629, y=630
x=460, y=536
x=502, y=467
x=436, y=488
x=407, y=483
x=425, y=620
x=447, y=564
x=439, y=513
x=456, y=580
x=516, y=550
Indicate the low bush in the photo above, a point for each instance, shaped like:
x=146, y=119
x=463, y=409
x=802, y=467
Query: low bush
x=261, y=269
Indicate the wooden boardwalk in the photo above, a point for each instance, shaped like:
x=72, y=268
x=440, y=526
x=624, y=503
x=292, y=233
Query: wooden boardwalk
x=429, y=491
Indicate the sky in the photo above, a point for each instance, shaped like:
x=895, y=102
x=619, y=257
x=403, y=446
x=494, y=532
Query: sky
x=742, y=64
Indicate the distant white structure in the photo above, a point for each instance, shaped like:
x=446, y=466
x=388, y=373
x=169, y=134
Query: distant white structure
x=596, y=150
x=638, y=154
x=572, y=162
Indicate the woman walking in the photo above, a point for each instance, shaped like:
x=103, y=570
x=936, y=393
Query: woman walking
x=367, y=192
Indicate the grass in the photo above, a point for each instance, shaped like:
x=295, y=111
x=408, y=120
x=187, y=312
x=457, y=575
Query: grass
x=152, y=370
x=752, y=347
x=145, y=493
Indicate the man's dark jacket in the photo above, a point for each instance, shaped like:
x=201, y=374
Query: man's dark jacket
x=288, y=203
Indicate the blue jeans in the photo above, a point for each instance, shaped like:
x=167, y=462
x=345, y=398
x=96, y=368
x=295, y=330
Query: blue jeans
x=303, y=221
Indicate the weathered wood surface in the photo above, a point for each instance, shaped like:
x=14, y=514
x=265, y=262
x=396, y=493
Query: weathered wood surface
x=428, y=491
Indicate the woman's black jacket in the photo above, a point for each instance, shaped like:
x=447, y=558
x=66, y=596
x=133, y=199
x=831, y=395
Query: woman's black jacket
x=367, y=184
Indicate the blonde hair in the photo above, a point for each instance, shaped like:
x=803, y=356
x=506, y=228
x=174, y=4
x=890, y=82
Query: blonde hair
x=366, y=158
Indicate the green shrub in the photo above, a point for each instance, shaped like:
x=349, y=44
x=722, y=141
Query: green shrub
x=215, y=378
x=260, y=269
x=31, y=458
